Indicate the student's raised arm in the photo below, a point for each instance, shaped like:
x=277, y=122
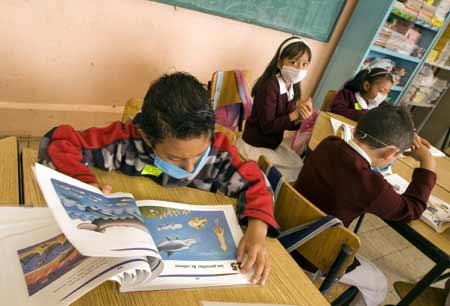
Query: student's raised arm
x=390, y=205
x=71, y=152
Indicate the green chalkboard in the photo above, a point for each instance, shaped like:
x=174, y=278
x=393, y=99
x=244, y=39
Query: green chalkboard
x=312, y=18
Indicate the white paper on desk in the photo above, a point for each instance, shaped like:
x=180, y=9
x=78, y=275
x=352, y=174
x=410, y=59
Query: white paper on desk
x=41, y=267
x=207, y=303
x=16, y=214
x=97, y=225
x=398, y=183
x=436, y=152
x=347, y=129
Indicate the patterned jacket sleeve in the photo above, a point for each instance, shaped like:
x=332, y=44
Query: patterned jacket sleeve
x=71, y=152
x=245, y=181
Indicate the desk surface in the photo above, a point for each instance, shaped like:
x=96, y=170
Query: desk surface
x=287, y=283
x=442, y=169
x=442, y=241
x=9, y=187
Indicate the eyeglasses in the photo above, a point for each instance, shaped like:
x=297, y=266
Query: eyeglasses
x=364, y=135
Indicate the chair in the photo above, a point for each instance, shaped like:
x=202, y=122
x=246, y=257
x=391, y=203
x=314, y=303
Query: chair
x=328, y=98
x=133, y=106
x=230, y=97
x=331, y=251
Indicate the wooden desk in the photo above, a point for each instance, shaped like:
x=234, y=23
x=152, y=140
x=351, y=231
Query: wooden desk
x=287, y=283
x=435, y=246
x=442, y=169
x=9, y=172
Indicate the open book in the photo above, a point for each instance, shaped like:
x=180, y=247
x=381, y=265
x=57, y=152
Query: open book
x=437, y=214
x=341, y=129
x=85, y=238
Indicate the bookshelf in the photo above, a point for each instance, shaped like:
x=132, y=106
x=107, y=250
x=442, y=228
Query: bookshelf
x=375, y=36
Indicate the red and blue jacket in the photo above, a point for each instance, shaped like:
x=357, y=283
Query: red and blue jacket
x=119, y=146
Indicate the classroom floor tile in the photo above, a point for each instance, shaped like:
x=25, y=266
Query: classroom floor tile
x=395, y=256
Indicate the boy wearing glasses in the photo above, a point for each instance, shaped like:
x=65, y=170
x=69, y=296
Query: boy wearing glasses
x=341, y=179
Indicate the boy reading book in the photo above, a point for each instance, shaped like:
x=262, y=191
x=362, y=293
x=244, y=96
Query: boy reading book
x=341, y=180
x=172, y=141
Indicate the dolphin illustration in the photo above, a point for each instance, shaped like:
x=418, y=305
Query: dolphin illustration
x=169, y=246
x=169, y=227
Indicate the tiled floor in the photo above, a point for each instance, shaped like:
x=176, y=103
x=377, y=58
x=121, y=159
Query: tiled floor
x=394, y=255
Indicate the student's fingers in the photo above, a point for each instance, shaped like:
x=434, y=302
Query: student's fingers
x=249, y=261
x=304, y=113
x=259, y=268
x=425, y=143
x=240, y=251
x=106, y=189
x=416, y=142
x=267, y=269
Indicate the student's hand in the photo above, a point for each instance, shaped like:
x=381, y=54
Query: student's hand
x=305, y=108
x=307, y=103
x=253, y=243
x=294, y=116
x=419, y=141
x=105, y=188
x=304, y=111
x=420, y=152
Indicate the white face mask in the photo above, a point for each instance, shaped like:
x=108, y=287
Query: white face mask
x=377, y=100
x=292, y=74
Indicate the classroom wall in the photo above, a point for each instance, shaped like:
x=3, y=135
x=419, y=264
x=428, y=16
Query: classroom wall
x=79, y=61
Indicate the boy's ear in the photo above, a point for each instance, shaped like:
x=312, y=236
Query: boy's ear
x=390, y=152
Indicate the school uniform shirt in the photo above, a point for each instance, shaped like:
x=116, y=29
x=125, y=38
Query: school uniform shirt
x=119, y=146
x=338, y=179
x=270, y=114
x=348, y=104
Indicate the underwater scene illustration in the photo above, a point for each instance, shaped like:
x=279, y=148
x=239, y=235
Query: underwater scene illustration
x=98, y=211
x=189, y=234
x=45, y=262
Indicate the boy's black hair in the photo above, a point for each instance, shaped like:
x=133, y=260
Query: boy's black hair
x=291, y=51
x=176, y=105
x=386, y=125
x=370, y=75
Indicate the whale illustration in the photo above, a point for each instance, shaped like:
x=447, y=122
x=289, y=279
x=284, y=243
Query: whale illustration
x=169, y=246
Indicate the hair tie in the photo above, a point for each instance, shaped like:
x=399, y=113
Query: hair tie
x=295, y=39
x=380, y=72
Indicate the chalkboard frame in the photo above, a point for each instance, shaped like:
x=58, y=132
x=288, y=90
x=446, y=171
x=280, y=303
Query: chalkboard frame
x=325, y=37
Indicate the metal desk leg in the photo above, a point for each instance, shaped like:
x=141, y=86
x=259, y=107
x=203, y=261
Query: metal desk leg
x=426, y=281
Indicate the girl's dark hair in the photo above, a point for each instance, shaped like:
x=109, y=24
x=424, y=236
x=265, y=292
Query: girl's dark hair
x=370, y=75
x=291, y=51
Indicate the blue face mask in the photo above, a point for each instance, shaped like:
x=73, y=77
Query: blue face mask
x=385, y=170
x=180, y=173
